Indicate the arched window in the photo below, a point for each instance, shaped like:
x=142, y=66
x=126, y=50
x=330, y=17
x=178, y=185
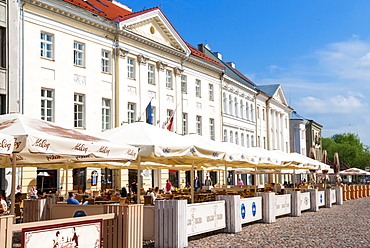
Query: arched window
x=241, y=109
x=247, y=111
x=252, y=141
x=225, y=135
x=231, y=137
x=242, y=139
x=252, y=113
x=236, y=138
x=230, y=105
x=236, y=106
x=248, y=142
x=224, y=99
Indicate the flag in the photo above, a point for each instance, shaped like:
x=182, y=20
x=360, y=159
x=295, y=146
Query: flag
x=149, y=113
x=170, y=121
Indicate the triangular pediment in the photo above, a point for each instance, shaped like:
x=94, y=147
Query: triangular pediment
x=152, y=24
x=280, y=96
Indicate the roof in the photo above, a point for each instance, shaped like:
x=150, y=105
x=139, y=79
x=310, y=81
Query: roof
x=269, y=89
x=295, y=116
x=103, y=8
x=229, y=70
x=199, y=54
x=134, y=14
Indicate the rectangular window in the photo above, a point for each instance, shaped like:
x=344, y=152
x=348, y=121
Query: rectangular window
x=106, y=114
x=151, y=74
x=131, y=68
x=105, y=61
x=2, y=47
x=79, y=110
x=47, y=45
x=47, y=105
x=154, y=120
x=199, y=124
x=184, y=84
x=211, y=94
x=198, y=88
x=169, y=79
x=184, y=123
x=212, y=129
x=78, y=50
x=131, y=112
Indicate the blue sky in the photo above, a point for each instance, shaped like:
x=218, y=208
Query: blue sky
x=318, y=50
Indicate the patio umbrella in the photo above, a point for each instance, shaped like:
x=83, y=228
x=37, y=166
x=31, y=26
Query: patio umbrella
x=162, y=146
x=354, y=171
x=41, y=143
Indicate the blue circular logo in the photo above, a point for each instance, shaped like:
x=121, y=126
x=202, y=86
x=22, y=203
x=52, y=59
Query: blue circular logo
x=242, y=210
x=320, y=198
x=254, y=209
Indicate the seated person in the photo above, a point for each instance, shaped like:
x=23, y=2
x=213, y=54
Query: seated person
x=153, y=194
x=72, y=200
x=3, y=205
x=18, y=197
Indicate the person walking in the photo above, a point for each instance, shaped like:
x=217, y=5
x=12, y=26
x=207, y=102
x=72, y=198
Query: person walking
x=207, y=182
x=196, y=184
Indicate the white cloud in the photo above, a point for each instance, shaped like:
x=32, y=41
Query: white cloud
x=337, y=104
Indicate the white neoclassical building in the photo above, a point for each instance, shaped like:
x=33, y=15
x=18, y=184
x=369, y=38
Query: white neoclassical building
x=95, y=65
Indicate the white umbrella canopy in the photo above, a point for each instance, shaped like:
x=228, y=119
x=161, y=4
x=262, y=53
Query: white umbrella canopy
x=354, y=171
x=162, y=146
x=40, y=142
x=266, y=159
x=234, y=154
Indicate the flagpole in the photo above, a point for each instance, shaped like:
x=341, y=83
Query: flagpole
x=145, y=109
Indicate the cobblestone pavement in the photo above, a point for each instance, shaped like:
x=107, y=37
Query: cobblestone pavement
x=347, y=225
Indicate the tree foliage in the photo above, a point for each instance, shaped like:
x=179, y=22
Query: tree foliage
x=349, y=148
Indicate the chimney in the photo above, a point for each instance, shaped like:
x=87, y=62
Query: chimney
x=218, y=55
x=232, y=64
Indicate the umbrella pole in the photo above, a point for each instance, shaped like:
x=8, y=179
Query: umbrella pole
x=138, y=180
x=42, y=184
x=225, y=175
x=66, y=174
x=12, y=200
x=192, y=182
x=294, y=179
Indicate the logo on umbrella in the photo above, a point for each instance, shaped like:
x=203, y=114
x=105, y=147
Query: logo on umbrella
x=320, y=198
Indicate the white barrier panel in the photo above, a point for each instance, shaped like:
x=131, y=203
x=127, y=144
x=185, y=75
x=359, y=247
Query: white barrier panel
x=205, y=217
x=305, y=201
x=333, y=196
x=282, y=203
x=321, y=198
x=250, y=209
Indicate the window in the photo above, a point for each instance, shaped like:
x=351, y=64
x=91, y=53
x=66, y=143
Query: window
x=2, y=47
x=264, y=142
x=47, y=105
x=105, y=61
x=236, y=106
x=199, y=124
x=236, y=138
x=211, y=94
x=225, y=135
x=131, y=112
x=242, y=139
x=252, y=113
x=247, y=111
x=184, y=123
x=78, y=49
x=184, y=84
x=151, y=74
x=169, y=114
x=252, y=141
x=230, y=105
x=131, y=68
x=258, y=141
x=106, y=114
x=248, y=143
x=169, y=79
x=154, y=120
x=258, y=112
x=79, y=110
x=231, y=137
x=263, y=114
x=224, y=101
x=46, y=45
x=212, y=129
x=241, y=109
x=198, y=88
